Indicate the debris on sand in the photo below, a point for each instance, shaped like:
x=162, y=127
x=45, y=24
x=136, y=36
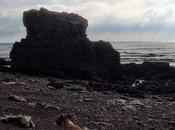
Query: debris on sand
x=55, y=85
x=22, y=121
x=16, y=98
x=9, y=83
x=47, y=106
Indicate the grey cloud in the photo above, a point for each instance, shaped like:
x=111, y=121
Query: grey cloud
x=81, y=1
x=119, y=27
x=153, y=25
x=5, y=4
x=10, y=26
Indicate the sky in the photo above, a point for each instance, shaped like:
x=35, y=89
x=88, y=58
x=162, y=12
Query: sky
x=110, y=20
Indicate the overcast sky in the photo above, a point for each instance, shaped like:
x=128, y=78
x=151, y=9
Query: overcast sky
x=112, y=20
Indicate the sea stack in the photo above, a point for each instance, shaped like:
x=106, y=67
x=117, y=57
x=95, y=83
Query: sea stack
x=56, y=44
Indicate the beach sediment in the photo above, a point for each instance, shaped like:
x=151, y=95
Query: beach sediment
x=108, y=110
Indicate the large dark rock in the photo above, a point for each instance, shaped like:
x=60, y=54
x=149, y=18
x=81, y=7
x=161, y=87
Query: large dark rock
x=56, y=44
x=49, y=25
x=4, y=65
x=4, y=62
x=148, y=70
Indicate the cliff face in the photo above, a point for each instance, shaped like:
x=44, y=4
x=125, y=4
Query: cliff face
x=56, y=44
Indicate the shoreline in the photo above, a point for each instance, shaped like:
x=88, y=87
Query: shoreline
x=156, y=57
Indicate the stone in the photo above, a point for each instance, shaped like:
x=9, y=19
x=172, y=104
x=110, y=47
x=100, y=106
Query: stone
x=125, y=104
x=26, y=121
x=5, y=65
x=112, y=102
x=169, y=74
x=171, y=123
x=56, y=85
x=76, y=88
x=99, y=86
x=85, y=128
x=57, y=45
x=128, y=107
x=136, y=102
x=124, y=97
x=23, y=121
x=50, y=87
x=31, y=104
x=16, y=98
x=158, y=65
x=148, y=71
x=4, y=62
x=122, y=101
x=88, y=100
x=154, y=68
x=172, y=99
x=47, y=106
x=9, y=83
x=31, y=80
x=101, y=123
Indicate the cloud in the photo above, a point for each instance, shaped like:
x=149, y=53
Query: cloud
x=10, y=26
x=129, y=19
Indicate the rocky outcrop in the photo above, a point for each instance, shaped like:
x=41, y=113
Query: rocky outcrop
x=56, y=44
x=4, y=65
x=149, y=71
x=4, y=62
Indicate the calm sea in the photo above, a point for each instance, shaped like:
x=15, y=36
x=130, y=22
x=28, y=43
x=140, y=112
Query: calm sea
x=138, y=52
x=130, y=51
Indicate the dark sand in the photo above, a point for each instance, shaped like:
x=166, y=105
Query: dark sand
x=94, y=110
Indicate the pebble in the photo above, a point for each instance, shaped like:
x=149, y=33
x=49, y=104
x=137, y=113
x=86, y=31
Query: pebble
x=47, y=106
x=23, y=121
x=137, y=102
x=85, y=128
x=9, y=83
x=16, y=98
x=88, y=100
x=171, y=123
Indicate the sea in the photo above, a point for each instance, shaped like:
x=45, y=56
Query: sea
x=142, y=51
x=130, y=51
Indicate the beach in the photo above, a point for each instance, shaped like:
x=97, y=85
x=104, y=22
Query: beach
x=95, y=110
x=57, y=70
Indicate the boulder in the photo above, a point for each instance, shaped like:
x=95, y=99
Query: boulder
x=4, y=65
x=56, y=44
x=148, y=70
x=22, y=121
x=156, y=65
x=4, y=62
x=56, y=85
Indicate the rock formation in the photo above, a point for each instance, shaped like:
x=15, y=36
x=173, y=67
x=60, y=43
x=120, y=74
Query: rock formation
x=56, y=44
x=149, y=71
